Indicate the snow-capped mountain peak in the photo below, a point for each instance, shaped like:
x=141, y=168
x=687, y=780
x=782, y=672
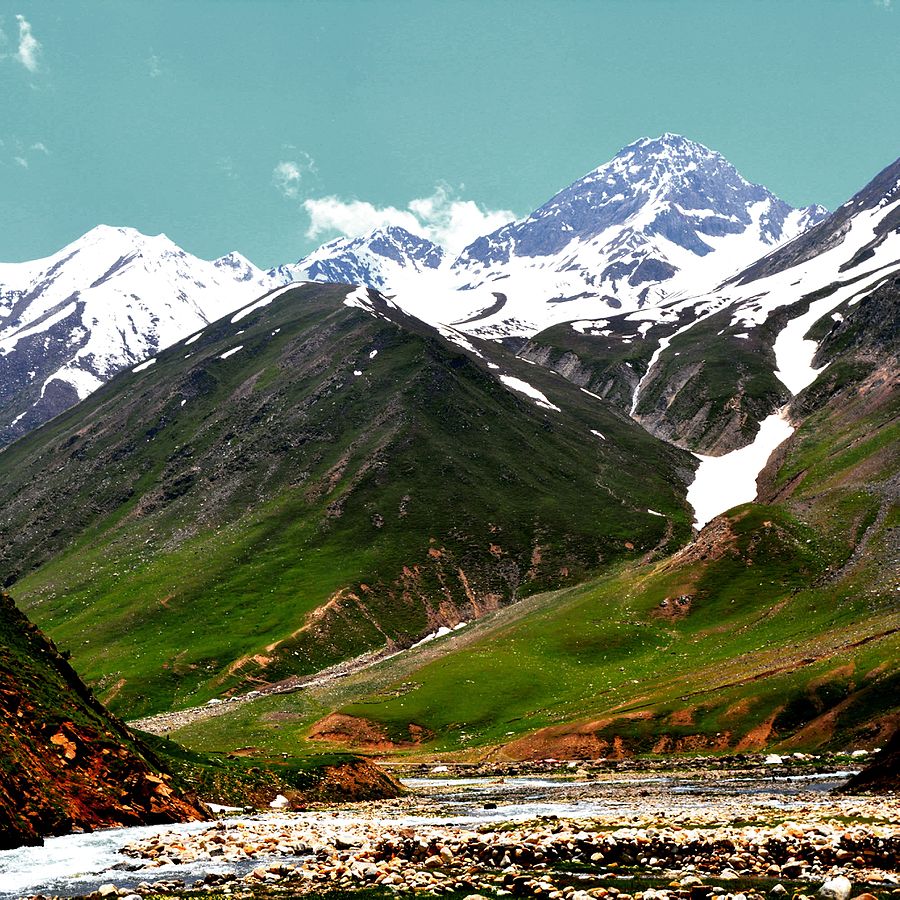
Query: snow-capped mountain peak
x=109, y=299
x=376, y=259
x=665, y=216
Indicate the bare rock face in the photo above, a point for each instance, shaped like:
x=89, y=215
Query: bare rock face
x=66, y=763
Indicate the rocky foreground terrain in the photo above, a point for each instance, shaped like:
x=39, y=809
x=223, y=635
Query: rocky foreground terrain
x=66, y=763
x=620, y=836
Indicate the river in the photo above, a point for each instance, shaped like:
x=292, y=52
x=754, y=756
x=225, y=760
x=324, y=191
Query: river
x=80, y=863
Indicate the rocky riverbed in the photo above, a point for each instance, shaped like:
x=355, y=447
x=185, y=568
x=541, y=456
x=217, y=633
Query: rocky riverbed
x=730, y=834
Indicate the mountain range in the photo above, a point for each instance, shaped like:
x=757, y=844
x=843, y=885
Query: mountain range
x=665, y=217
x=354, y=498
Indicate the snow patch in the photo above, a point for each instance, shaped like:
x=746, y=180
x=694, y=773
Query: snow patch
x=144, y=365
x=523, y=387
x=725, y=481
x=794, y=352
x=588, y=326
x=263, y=301
x=231, y=352
x=443, y=630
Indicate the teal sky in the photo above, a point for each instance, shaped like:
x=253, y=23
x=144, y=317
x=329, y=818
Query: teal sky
x=174, y=116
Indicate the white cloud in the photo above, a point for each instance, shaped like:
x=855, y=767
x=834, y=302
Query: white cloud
x=288, y=175
x=454, y=223
x=442, y=218
x=21, y=161
x=154, y=67
x=885, y=4
x=41, y=147
x=29, y=46
x=352, y=218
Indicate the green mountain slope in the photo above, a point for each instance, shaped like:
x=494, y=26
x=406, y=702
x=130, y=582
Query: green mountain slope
x=778, y=627
x=345, y=481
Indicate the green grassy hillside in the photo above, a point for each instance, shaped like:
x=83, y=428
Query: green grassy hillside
x=343, y=482
x=778, y=627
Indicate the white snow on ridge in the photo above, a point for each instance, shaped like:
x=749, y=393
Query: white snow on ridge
x=359, y=297
x=82, y=381
x=794, y=353
x=455, y=337
x=725, y=481
x=756, y=300
x=129, y=296
x=144, y=365
x=264, y=301
x=589, y=326
x=523, y=387
x=9, y=342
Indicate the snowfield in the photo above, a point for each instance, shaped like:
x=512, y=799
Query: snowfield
x=725, y=481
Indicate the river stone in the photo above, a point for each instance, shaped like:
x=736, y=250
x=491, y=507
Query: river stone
x=838, y=888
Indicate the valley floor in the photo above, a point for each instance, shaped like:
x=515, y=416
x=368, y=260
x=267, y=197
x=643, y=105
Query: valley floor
x=715, y=828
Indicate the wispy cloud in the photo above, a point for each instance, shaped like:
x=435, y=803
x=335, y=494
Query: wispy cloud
x=40, y=147
x=288, y=175
x=21, y=161
x=225, y=165
x=29, y=45
x=884, y=4
x=154, y=66
x=443, y=218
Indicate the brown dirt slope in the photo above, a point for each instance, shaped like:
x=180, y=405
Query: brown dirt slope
x=65, y=762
